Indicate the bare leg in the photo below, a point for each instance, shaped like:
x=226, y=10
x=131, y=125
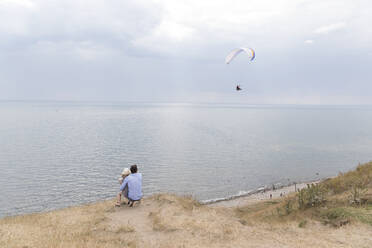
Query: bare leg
x=118, y=200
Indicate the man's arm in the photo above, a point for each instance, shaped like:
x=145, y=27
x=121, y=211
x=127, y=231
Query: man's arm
x=125, y=182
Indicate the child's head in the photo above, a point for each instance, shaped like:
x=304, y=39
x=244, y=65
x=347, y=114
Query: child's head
x=125, y=172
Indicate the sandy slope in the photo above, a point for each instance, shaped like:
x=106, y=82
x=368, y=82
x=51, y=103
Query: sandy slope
x=169, y=221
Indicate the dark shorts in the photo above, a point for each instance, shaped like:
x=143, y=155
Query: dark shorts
x=133, y=200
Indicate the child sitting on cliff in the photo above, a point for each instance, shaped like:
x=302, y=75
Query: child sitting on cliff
x=124, y=174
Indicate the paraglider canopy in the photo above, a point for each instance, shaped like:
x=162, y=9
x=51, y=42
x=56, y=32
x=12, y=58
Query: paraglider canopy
x=249, y=51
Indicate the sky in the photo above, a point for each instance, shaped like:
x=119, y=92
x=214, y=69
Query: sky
x=307, y=52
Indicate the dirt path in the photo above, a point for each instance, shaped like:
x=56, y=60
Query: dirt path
x=136, y=217
x=168, y=221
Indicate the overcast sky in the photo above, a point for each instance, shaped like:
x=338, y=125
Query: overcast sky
x=307, y=51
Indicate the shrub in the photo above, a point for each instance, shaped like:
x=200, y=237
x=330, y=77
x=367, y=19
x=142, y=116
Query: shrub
x=336, y=217
x=288, y=208
x=361, y=177
x=356, y=194
x=302, y=224
x=312, y=196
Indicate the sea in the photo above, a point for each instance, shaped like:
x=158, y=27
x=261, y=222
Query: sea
x=59, y=154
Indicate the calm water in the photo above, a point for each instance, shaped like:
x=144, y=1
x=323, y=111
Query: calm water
x=54, y=155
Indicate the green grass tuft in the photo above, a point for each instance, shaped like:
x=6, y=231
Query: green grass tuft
x=302, y=224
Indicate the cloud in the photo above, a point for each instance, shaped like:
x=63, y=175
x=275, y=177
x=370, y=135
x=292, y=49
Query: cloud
x=330, y=28
x=18, y=3
x=84, y=50
x=113, y=25
x=128, y=45
x=168, y=28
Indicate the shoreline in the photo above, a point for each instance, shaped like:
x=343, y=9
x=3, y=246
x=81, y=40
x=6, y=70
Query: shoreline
x=260, y=194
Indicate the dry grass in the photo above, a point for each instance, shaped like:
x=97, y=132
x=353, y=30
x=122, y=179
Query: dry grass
x=167, y=220
x=361, y=176
x=124, y=229
x=193, y=223
x=334, y=202
x=158, y=224
x=186, y=202
x=83, y=226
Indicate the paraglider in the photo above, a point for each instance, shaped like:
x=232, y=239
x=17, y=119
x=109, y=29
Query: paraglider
x=249, y=51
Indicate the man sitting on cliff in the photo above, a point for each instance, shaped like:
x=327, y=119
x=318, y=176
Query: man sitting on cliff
x=134, y=183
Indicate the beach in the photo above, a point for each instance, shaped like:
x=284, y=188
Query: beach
x=262, y=194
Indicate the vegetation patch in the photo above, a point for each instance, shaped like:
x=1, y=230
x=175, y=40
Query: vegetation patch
x=360, y=178
x=302, y=223
x=335, y=202
x=84, y=226
x=125, y=229
x=158, y=223
x=186, y=202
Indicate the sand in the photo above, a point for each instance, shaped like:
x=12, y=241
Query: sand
x=262, y=196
